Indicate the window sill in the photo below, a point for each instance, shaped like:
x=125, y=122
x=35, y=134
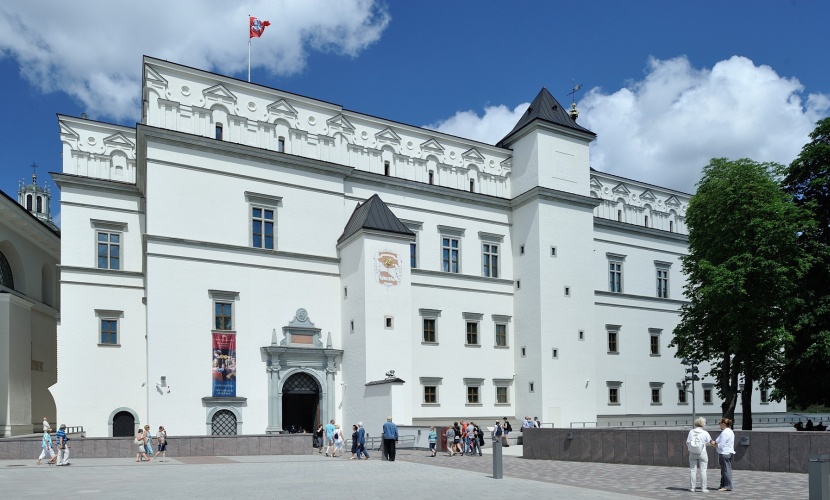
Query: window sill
x=764, y=403
x=655, y=355
x=473, y=404
x=501, y=347
x=223, y=331
x=501, y=404
x=614, y=352
x=472, y=345
x=709, y=404
x=656, y=404
x=109, y=345
x=682, y=404
x=430, y=404
x=614, y=404
x=429, y=343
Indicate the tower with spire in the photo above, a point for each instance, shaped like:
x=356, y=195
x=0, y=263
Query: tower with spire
x=34, y=198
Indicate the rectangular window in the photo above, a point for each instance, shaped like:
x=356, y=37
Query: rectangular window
x=431, y=177
x=614, y=395
x=413, y=255
x=281, y=144
x=581, y=334
x=490, y=260
x=472, y=333
x=262, y=227
x=501, y=335
x=615, y=276
x=430, y=394
x=681, y=396
x=218, y=131
x=449, y=254
x=501, y=396
x=663, y=283
x=429, y=330
x=555, y=353
x=521, y=250
x=654, y=343
x=764, y=396
x=109, y=331
x=655, y=395
x=472, y=394
x=530, y=387
x=707, y=396
x=388, y=322
x=109, y=250
x=613, y=345
x=223, y=315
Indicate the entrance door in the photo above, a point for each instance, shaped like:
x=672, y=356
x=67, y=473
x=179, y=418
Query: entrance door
x=123, y=424
x=300, y=403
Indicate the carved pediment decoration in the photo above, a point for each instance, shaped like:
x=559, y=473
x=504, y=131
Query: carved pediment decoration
x=340, y=123
x=67, y=131
x=388, y=135
x=282, y=108
x=120, y=140
x=620, y=189
x=673, y=201
x=647, y=195
x=152, y=75
x=432, y=146
x=473, y=155
x=301, y=332
x=595, y=184
x=219, y=93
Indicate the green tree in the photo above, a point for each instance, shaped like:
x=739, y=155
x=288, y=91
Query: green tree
x=804, y=380
x=743, y=268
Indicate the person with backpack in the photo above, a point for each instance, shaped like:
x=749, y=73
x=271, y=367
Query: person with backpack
x=507, y=429
x=696, y=442
x=476, y=439
x=338, y=441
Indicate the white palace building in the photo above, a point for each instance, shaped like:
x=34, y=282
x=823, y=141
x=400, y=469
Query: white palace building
x=247, y=260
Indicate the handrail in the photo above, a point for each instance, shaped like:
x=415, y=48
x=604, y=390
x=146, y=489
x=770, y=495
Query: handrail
x=370, y=442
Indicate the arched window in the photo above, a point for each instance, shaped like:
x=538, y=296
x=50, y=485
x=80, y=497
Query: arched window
x=6, y=278
x=223, y=423
x=386, y=168
x=218, y=131
x=40, y=204
x=472, y=185
x=29, y=202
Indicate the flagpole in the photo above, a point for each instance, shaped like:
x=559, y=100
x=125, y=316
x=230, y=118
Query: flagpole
x=249, y=48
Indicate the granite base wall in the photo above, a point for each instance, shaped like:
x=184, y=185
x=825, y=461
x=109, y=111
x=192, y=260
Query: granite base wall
x=767, y=451
x=177, y=446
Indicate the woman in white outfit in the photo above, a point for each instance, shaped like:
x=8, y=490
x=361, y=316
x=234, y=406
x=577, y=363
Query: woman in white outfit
x=726, y=450
x=46, y=445
x=696, y=442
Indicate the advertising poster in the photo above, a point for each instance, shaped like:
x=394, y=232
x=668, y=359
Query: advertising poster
x=224, y=365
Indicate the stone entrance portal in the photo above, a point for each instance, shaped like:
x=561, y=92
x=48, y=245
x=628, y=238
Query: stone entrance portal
x=300, y=376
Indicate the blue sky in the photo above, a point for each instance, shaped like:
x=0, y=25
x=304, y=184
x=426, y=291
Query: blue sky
x=666, y=85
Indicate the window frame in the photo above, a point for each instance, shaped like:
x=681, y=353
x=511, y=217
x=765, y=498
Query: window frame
x=655, y=334
x=614, y=392
x=490, y=257
x=472, y=319
x=434, y=383
x=708, y=390
x=662, y=274
x=223, y=297
x=503, y=384
x=682, y=395
x=110, y=228
x=501, y=320
x=656, y=393
x=449, y=235
x=109, y=315
x=262, y=202
x=473, y=385
x=615, y=268
x=414, y=257
x=615, y=331
x=429, y=315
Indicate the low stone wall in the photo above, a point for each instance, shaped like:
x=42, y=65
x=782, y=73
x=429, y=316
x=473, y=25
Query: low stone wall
x=766, y=451
x=178, y=446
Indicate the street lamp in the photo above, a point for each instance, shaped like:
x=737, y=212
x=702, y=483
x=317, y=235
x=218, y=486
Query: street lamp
x=690, y=379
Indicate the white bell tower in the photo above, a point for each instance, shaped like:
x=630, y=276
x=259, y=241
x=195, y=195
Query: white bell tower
x=36, y=199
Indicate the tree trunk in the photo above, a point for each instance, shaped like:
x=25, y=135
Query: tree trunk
x=729, y=387
x=746, y=403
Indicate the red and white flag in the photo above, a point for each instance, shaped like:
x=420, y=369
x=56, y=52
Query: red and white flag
x=257, y=27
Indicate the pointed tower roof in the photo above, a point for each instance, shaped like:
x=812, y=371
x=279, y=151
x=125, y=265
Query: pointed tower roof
x=375, y=215
x=547, y=109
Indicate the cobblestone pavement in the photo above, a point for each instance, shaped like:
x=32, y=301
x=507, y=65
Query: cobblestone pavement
x=637, y=480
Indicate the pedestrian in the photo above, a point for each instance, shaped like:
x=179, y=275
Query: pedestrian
x=141, y=445
x=475, y=446
x=526, y=424
x=46, y=425
x=506, y=429
x=354, y=442
x=433, y=440
x=148, y=435
x=456, y=440
x=161, y=436
x=318, y=438
x=498, y=434
x=390, y=439
x=337, y=439
x=450, y=439
x=63, y=446
x=361, y=441
x=46, y=445
x=726, y=450
x=696, y=441
x=537, y=423
x=329, y=434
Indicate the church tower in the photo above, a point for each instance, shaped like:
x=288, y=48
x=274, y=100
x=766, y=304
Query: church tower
x=35, y=199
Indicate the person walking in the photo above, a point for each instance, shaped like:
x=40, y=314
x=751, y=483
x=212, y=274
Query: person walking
x=475, y=438
x=390, y=439
x=148, y=435
x=537, y=423
x=354, y=442
x=506, y=429
x=498, y=434
x=726, y=450
x=450, y=440
x=329, y=434
x=141, y=445
x=338, y=441
x=696, y=441
x=318, y=438
x=46, y=445
x=161, y=437
x=63, y=446
x=433, y=440
x=361, y=441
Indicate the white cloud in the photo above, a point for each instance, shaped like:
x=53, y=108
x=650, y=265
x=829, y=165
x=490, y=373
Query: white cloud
x=490, y=128
x=666, y=127
x=90, y=49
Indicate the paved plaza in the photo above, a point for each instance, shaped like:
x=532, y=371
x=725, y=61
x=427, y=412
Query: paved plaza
x=414, y=475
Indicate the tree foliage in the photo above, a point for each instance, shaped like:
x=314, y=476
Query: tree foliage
x=743, y=269
x=804, y=381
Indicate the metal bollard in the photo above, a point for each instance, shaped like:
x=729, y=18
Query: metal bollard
x=497, y=462
x=819, y=476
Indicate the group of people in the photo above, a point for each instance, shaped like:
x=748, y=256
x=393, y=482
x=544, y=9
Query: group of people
x=331, y=439
x=144, y=443
x=697, y=441
x=47, y=445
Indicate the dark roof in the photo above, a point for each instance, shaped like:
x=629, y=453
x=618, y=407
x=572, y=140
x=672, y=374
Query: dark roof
x=374, y=214
x=546, y=108
x=48, y=225
x=394, y=380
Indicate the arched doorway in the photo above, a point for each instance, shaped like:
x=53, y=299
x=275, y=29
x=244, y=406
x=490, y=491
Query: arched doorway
x=300, y=403
x=123, y=424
